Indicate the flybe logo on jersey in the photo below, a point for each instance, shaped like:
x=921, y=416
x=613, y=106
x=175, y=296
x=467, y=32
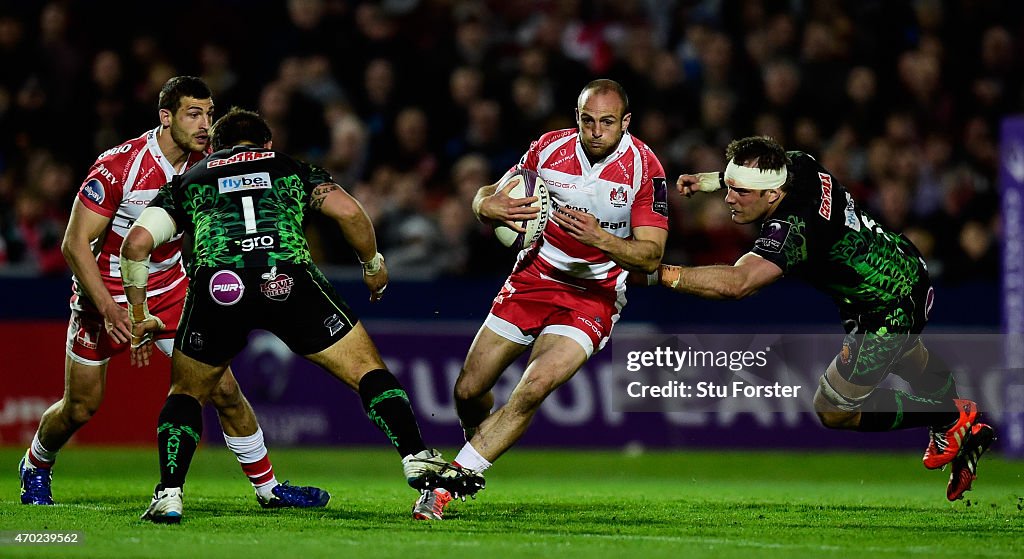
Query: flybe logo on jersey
x=251, y=181
x=243, y=157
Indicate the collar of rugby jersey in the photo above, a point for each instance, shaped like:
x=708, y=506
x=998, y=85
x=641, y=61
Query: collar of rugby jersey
x=587, y=168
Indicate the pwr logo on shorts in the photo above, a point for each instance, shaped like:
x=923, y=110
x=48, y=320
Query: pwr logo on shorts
x=226, y=288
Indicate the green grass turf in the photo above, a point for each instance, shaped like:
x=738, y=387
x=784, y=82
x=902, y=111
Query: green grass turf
x=538, y=504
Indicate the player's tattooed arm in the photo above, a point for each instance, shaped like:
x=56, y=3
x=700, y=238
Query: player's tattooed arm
x=319, y=194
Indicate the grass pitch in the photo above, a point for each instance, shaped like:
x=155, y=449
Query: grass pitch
x=561, y=504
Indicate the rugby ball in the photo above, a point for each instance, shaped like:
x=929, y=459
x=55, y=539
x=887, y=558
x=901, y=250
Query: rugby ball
x=526, y=183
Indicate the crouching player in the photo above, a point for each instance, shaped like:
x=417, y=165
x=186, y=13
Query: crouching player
x=251, y=268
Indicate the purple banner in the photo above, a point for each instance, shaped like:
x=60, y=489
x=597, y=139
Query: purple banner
x=300, y=404
x=1011, y=181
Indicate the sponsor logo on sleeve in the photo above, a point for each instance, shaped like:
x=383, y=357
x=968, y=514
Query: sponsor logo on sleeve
x=851, y=214
x=660, y=205
x=252, y=181
x=825, y=210
x=102, y=169
x=93, y=190
x=773, y=236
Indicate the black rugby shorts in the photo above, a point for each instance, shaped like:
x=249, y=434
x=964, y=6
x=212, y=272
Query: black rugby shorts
x=295, y=302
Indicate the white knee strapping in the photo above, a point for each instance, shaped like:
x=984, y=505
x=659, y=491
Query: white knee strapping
x=841, y=401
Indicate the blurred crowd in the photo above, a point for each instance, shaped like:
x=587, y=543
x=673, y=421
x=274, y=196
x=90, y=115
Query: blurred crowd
x=414, y=104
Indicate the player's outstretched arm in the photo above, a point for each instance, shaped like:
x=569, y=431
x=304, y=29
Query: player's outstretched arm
x=84, y=227
x=744, y=278
x=331, y=200
x=688, y=185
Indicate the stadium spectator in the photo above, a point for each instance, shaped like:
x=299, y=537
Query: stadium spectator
x=267, y=280
x=812, y=229
x=477, y=239
x=565, y=293
x=114, y=193
x=858, y=62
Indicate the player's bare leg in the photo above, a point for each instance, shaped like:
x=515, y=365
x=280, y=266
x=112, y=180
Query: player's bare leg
x=350, y=358
x=843, y=393
x=488, y=357
x=354, y=360
x=554, y=360
x=237, y=417
x=84, y=386
x=243, y=437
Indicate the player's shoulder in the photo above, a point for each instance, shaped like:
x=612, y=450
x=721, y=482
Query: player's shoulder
x=804, y=163
x=548, y=138
x=644, y=149
x=810, y=177
x=105, y=180
x=647, y=155
x=121, y=155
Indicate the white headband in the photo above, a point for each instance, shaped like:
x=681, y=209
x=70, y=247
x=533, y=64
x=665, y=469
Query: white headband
x=752, y=178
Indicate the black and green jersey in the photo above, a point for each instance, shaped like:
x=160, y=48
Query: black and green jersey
x=820, y=234
x=243, y=207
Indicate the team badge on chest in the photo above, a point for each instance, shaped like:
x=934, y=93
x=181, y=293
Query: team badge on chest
x=618, y=198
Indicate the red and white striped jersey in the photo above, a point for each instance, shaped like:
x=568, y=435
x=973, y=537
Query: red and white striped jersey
x=624, y=190
x=120, y=184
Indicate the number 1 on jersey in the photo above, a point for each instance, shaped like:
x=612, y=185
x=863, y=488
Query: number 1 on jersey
x=249, y=214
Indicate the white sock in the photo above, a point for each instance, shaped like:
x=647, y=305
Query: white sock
x=468, y=457
x=251, y=453
x=247, y=449
x=37, y=452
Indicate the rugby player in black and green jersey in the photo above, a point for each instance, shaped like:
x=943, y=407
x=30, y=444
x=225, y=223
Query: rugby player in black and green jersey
x=812, y=228
x=250, y=267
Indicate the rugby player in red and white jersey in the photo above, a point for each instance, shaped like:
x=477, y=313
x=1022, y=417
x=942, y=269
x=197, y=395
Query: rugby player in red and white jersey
x=119, y=185
x=609, y=216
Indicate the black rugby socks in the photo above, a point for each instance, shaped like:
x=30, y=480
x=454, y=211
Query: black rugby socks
x=889, y=410
x=387, y=405
x=178, y=431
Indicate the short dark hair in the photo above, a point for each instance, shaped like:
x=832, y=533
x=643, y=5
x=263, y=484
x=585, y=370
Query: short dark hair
x=180, y=87
x=769, y=154
x=239, y=126
x=603, y=85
